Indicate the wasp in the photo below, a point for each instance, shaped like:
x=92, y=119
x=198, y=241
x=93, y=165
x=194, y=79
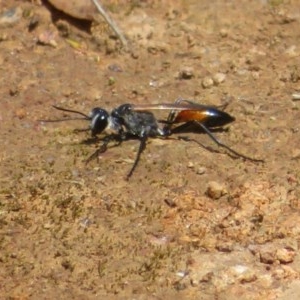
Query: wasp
x=130, y=121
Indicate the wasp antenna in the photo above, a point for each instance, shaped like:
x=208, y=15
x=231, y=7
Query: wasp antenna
x=72, y=111
x=60, y=120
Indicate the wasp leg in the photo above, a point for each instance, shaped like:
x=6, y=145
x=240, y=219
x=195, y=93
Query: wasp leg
x=81, y=130
x=142, y=147
x=188, y=139
x=171, y=118
x=106, y=140
x=220, y=144
x=181, y=128
x=172, y=113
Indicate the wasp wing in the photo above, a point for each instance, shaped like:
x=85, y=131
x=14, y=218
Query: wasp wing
x=187, y=105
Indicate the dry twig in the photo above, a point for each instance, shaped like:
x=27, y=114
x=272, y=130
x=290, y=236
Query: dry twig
x=111, y=23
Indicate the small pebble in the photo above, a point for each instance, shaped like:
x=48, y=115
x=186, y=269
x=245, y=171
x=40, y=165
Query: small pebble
x=223, y=32
x=207, y=82
x=47, y=226
x=47, y=38
x=201, y=170
x=219, y=78
x=285, y=255
x=267, y=256
x=215, y=190
x=186, y=73
x=296, y=96
x=115, y=68
x=190, y=165
x=224, y=247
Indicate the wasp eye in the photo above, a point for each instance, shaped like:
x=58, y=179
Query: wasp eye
x=99, y=120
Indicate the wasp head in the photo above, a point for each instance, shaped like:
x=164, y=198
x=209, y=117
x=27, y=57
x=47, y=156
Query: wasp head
x=99, y=120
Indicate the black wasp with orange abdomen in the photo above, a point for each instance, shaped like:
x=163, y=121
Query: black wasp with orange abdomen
x=137, y=121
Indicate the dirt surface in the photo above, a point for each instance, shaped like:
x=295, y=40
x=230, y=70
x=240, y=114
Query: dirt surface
x=190, y=223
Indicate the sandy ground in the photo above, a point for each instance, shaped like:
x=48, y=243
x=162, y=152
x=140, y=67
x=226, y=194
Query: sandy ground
x=190, y=223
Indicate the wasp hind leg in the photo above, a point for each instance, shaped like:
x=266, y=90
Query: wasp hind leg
x=172, y=113
x=220, y=144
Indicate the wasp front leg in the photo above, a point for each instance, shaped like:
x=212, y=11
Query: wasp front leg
x=105, y=141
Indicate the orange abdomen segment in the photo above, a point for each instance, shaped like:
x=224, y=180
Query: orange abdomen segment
x=191, y=115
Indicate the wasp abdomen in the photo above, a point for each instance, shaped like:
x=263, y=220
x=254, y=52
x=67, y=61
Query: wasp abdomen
x=210, y=117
